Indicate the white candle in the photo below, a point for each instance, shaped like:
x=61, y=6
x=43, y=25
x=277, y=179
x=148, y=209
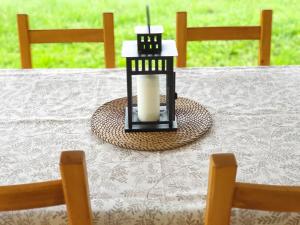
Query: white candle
x=148, y=97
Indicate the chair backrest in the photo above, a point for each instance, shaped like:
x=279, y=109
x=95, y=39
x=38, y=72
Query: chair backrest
x=225, y=193
x=261, y=33
x=28, y=37
x=72, y=190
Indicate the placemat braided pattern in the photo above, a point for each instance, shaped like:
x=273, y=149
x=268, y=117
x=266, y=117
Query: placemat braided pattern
x=192, y=118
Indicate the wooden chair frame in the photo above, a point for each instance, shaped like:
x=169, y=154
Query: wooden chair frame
x=224, y=193
x=72, y=190
x=28, y=37
x=261, y=33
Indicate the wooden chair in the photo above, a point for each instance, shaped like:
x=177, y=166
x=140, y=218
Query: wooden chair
x=72, y=190
x=28, y=37
x=224, y=193
x=261, y=33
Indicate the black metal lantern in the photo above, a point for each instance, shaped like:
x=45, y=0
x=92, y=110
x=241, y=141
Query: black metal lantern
x=147, y=58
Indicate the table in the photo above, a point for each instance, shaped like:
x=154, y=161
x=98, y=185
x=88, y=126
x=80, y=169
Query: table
x=256, y=113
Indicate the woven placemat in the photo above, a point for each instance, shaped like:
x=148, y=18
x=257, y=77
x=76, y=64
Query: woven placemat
x=192, y=118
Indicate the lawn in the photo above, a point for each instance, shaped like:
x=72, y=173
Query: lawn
x=129, y=13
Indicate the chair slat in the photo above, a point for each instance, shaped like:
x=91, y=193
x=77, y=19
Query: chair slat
x=267, y=197
x=223, y=33
x=65, y=36
x=28, y=196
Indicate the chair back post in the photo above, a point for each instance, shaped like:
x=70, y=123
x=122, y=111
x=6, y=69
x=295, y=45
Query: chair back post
x=221, y=184
x=109, y=40
x=265, y=38
x=75, y=187
x=181, y=38
x=24, y=41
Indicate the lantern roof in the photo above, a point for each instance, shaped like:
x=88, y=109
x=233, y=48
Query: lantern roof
x=129, y=49
x=157, y=29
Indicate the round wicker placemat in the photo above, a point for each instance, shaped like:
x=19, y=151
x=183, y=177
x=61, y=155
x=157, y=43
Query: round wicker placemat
x=192, y=118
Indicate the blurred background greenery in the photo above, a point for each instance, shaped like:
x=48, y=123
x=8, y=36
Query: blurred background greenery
x=55, y=14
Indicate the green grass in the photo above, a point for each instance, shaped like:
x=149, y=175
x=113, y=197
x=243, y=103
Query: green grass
x=129, y=13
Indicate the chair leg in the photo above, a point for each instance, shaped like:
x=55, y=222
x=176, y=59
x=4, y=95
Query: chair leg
x=221, y=185
x=75, y=186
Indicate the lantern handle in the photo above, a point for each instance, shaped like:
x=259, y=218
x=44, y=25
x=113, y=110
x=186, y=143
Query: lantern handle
x=148, y=17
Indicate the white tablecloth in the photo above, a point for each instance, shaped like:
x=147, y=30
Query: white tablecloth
x=256, y=113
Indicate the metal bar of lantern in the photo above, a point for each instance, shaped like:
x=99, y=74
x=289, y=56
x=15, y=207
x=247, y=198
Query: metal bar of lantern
x=136, y=62
x=154, y=122
x=175, y=94
x=143, y=65
x=129, y=92
x=159, y=40
x=150, y=64
x=170, y=95
x=163, y=65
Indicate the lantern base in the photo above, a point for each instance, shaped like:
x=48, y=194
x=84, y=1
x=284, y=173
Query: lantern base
x=161, y=125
